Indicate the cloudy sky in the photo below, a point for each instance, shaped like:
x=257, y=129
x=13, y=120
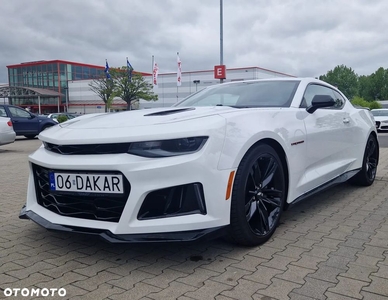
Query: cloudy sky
x=298, y=37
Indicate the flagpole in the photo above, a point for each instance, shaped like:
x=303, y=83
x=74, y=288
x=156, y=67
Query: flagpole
x=177, y=98
x=152, y=72
x=152, y=65
x=221, y=37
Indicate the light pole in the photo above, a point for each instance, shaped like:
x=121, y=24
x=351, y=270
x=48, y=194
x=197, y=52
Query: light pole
x=196, y=84
x=67, y=100
x=221, y=37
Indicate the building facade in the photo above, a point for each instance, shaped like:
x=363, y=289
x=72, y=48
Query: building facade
x=83, y=100
x=56, y=85
x=48, y=78
x=169, y=93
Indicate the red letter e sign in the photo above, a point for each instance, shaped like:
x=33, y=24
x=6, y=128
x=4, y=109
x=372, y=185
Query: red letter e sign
x=220, y=72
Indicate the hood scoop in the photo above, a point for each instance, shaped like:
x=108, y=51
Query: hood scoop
x=169, y=112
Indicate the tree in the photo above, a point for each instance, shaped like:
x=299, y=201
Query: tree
x=104, y=88
x=379, y=84
x=358, y=101
x=365, y=88
x=344, y=78
x=131, y=88
x=62, y=118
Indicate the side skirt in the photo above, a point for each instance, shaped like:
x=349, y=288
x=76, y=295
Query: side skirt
x=337, y=180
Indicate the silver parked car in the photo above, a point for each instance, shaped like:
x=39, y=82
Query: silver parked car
x=381, y=118
x=7, y=134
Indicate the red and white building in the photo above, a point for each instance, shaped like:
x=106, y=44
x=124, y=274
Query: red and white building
x=57, y=85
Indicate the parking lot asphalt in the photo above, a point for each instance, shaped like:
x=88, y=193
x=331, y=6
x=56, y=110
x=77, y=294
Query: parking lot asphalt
x=332, y=246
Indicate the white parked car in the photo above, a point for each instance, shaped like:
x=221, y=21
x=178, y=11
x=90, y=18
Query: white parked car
x=381, y=118
x=226, y=160
x=7, y=134
x=55, y=116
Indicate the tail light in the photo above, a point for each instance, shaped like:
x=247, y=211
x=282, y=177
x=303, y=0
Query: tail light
x=9, y=123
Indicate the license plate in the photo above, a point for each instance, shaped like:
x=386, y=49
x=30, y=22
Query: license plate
x=88, y=183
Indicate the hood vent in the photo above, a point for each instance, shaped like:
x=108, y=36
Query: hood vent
x=169, y=112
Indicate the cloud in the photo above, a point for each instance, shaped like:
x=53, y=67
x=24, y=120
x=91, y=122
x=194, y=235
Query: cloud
x=298, y=37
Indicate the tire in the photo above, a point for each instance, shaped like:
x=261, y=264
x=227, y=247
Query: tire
x=366, y=176
x=30, y=136
x=257, y=199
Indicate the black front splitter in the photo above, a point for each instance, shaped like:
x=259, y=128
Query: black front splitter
x=182, y=236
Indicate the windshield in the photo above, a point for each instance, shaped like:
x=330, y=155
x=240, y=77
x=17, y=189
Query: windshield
x=267, y=93
x=380, y=113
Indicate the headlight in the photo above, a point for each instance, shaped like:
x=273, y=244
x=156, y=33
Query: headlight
x=166, y=148
x=385, y=122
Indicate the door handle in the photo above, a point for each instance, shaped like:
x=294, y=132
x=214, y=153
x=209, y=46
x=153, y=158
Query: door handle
x=346, y=120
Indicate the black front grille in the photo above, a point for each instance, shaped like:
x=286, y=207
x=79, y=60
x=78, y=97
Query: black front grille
x=87, y=149
x=377, y=124
x=92, y=206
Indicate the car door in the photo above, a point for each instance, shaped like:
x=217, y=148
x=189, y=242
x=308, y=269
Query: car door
x=329, y=136
x=24, y=123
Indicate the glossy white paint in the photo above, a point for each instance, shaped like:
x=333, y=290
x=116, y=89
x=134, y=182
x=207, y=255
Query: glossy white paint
x=7, y=134
x=317, y=148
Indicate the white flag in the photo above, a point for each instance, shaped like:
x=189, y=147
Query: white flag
x=155, y=73
x=179, y=73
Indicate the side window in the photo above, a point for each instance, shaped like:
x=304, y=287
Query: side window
x=18, y=112
x=3, y=113
x=339, y=100
x=315, y=89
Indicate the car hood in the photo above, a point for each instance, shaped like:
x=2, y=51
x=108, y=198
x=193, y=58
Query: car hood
x=41, y=117
x=136, y=125
x=136, y=118
x=381, y=118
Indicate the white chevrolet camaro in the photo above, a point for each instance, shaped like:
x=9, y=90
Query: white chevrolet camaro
x=226, y=160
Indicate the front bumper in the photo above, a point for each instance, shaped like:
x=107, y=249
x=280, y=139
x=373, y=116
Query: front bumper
x=145, y=176
x=383, y=126
x=186, y=236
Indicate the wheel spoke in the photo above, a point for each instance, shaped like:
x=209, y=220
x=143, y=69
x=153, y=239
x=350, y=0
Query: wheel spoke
x=249, y=203
x=371, y=170
x=251, y=209
x=264, y=218
x=371, y=149
x=255, y=174
x=373, y=163
x=269, y=172
x=273, y=201
x=272, y=192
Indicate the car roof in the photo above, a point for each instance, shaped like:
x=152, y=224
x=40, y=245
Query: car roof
x=305, y=80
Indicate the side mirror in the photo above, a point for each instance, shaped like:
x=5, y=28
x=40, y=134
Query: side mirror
x=320, y=101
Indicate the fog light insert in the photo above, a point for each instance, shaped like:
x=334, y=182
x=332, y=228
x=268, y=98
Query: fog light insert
x=173, y=201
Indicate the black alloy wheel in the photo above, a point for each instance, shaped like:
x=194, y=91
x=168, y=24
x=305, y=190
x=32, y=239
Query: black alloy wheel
x=258, y=197
x=367, y=174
